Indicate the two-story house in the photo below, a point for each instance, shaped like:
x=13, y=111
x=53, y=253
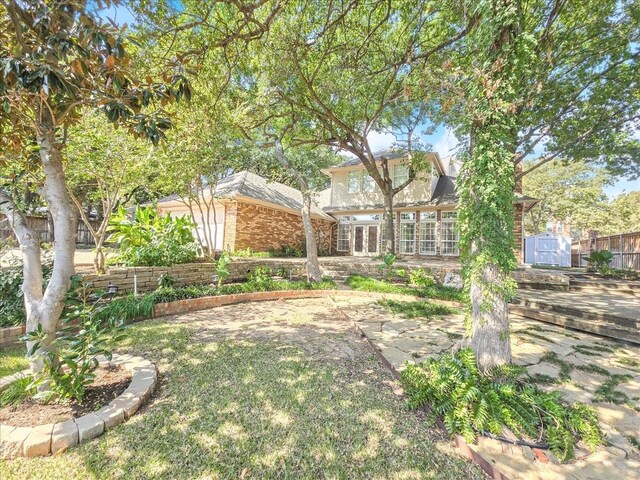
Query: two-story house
x=425, y=215
x=253, y=213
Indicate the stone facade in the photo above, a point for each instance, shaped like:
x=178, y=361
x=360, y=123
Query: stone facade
x=261, y=229
x=146, y=278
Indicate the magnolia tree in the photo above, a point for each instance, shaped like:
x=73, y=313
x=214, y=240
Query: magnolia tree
x=57, y=60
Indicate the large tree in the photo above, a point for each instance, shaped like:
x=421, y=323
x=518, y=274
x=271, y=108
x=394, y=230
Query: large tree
x=105, y=169
x=58, y=58
x=333, y=73
x=557, y=77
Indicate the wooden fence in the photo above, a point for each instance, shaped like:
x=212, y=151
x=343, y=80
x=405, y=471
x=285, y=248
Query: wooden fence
x=625, y=248
x=41, y=227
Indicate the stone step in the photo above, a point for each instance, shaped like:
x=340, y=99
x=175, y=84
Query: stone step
x=601, y=328
x=578, y=312
x=605, y=286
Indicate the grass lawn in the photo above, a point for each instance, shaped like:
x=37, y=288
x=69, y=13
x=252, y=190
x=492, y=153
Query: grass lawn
x=368, y=284
x=266, y=390
x=13, y=360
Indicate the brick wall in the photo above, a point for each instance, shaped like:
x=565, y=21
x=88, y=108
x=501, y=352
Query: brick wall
x=262, y=229
x=517, y=232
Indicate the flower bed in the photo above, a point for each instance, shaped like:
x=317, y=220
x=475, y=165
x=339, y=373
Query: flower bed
x=52, y=438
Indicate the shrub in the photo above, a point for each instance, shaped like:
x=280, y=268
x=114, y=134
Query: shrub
x=421, y=277
x=150, y=239
x=599, y=259
x=70, y=362
x=471, y=403
x=11, y=297
x=222, y=267
x=388, y=266
x=166, y=280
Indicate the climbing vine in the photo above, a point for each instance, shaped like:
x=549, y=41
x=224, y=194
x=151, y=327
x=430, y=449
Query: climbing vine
x=486, y=183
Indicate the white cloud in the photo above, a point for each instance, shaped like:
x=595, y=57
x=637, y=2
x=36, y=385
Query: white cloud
x=446, y=144
x=380, y=140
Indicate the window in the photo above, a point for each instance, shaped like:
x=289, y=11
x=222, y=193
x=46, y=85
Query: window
x=400, y=174
x=368, y=183
x=449, y=234
x=360, y=181
x=560, y=229
x=407, y=233
x=353, y=181
x=427, y=233
x=344, y=232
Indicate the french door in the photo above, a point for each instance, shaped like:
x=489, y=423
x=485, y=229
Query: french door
x=365, y=240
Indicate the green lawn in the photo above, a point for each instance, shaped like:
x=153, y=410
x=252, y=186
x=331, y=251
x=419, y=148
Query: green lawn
x=437, y=291
x=281, y=399
x=13, y=360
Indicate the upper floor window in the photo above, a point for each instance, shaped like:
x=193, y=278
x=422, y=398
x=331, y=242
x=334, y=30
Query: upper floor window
x=400, y=174
x=353, y=181
x=359, y=181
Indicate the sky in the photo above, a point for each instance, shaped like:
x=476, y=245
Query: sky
x=442, y=140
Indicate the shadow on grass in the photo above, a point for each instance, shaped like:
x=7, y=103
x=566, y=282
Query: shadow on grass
x=246, y=392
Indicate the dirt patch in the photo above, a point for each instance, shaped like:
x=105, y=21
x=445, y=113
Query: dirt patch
x=109, y=383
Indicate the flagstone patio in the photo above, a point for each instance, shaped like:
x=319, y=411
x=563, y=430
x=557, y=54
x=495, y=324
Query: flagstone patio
x=583, y=367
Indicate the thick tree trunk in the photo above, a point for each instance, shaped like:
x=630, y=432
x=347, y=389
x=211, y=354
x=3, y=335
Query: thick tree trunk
x=313, y=265
x=390, y=228
x=489, y=320
x=46, y=309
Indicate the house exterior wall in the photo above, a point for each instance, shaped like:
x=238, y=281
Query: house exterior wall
x=261, y=228
x=418, y=190
x=216, y=221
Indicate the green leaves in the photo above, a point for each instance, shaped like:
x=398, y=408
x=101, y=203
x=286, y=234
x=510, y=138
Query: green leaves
x=150, y=239
x=471, y=403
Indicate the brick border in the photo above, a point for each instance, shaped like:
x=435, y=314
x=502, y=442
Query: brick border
x=42, y=440
x=204, y=303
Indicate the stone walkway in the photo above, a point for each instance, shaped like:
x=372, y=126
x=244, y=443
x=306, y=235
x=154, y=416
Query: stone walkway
x=583, y=367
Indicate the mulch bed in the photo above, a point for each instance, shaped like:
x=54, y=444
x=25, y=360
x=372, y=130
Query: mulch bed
x=110, y=382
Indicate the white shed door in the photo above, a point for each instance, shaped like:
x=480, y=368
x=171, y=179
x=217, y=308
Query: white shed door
x=547, y=251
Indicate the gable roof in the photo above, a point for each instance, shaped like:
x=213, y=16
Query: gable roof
x=249, y=185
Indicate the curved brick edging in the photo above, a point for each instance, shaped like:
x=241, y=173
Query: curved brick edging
x=203, y=303
x=42, y=440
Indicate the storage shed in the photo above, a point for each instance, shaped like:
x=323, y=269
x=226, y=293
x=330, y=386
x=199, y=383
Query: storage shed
x=547, y=249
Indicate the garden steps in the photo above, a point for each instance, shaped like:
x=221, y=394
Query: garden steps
x=598, y=327
x=613, y=287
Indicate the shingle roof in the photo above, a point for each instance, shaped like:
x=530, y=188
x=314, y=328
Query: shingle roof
x=254, y=186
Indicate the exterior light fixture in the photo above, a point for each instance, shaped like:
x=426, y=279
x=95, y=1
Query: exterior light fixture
x=111, y=292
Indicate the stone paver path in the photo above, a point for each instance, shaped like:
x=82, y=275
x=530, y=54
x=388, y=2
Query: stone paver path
x=584, y=367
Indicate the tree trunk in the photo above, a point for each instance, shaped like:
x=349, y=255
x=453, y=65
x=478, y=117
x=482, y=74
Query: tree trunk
x=313, y=265
x=98, y=256
x=390, y=228
x=489, y=320
x=46, y=311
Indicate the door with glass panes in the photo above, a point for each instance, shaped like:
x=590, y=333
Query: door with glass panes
x=365, y=240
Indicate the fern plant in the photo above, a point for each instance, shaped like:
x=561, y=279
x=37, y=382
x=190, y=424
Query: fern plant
x=470, y=403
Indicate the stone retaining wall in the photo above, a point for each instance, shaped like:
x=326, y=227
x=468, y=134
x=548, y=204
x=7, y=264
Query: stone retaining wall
x=10, y=336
